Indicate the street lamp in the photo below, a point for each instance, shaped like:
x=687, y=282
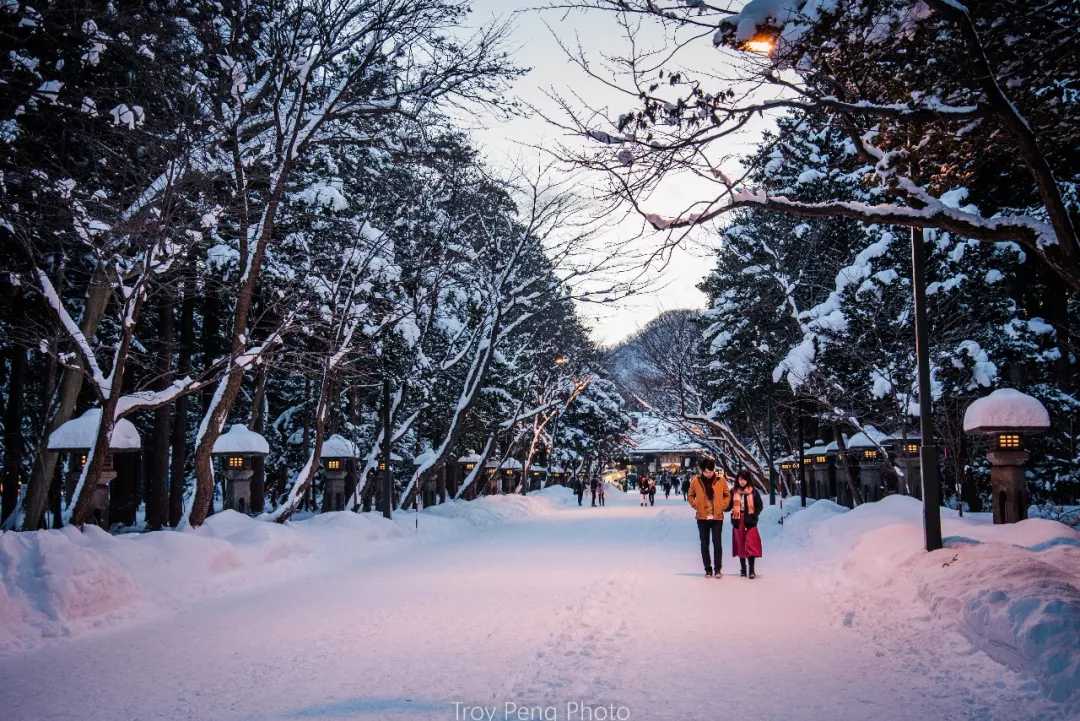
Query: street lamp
x=762, y=42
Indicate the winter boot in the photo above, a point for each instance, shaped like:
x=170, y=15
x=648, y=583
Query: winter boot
x=752, y=575
x=742, y=567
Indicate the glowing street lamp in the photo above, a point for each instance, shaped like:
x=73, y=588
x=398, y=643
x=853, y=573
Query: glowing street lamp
x=762, y=43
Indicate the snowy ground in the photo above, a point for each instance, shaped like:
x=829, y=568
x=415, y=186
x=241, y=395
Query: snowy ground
x=536, y=602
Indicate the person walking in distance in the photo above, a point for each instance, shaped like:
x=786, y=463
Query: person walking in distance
x=745, y=509
x=600, y=493
x=579, y=489
x=593, y=486
x=652, y=491
x=709, y=496
x=667, y=486
x=643, y=489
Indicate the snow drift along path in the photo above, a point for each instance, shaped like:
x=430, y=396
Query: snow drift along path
x=535, y=601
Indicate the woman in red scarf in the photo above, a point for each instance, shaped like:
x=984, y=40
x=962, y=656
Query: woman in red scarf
x=745, y=508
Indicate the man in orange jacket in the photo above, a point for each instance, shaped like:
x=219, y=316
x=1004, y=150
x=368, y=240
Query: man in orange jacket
x=709, y=496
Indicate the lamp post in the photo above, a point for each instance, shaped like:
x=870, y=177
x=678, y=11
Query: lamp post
x=802, y=460
x=772, y=455
x=931, y=484
x=388, y=477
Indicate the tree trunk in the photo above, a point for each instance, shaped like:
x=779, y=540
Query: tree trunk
x=214, y=417
x=179, y=424
x=13, y=416
x=37, y=494
x=258, y=422
x=849, y=470
x=82, y=503
x=157, y=499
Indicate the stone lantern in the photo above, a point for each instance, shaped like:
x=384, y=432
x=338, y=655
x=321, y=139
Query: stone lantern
x=789, y=467
x=906, y=446
x=864, y=448
x=77, y=437
x=465, y=465
x=337, y=452
x=818, y=473
x=536, y=477
x=1006, y=416
x=510, y=470
x=238, y=446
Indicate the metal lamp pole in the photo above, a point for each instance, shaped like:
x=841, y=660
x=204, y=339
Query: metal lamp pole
x=772, y=455
x=388, y=478
x=931, y=484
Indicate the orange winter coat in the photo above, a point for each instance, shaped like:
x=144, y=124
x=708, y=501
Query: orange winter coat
x=697, y=498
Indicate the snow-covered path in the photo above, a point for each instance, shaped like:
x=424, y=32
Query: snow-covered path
x=578, y=605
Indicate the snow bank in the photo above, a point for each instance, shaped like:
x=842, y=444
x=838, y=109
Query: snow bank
x=56, y=584
x=1013, y=591
x=491, y=510
x=64, y=583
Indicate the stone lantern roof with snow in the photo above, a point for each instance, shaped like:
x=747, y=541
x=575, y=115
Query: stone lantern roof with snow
x=337, y=446
x=241, y=441
x=79, y=434
x=869, y=437
x=1006, y=409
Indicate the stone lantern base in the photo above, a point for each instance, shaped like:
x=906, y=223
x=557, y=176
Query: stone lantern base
x=334, y=491
x=99, y=501
x=870, y=481
x=1009, y=488
x=238, y=497
x=911, y=483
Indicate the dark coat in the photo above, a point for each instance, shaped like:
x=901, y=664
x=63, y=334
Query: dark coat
x=748, y=520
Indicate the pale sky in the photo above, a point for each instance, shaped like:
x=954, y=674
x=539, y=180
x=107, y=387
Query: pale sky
x=501, y=141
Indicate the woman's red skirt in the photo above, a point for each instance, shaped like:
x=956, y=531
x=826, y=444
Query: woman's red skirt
x=745, y=542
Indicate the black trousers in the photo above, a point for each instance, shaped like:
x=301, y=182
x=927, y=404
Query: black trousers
x=715, y=529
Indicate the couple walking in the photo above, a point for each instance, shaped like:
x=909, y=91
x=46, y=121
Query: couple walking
x=710, y=498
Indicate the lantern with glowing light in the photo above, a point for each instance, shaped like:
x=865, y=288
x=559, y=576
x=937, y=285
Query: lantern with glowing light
x=337, y=453
x=817, y=475
x=864, y=448
x=906, y=446
x=239, y=446
x=77, y=437
x=1006, y=416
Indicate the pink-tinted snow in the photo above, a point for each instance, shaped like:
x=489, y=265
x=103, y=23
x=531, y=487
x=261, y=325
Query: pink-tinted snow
x=533, y=600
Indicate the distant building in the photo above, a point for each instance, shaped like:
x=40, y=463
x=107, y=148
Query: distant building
x=657, y=445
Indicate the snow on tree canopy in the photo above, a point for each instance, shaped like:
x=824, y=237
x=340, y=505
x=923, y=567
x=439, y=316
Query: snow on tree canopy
x=788, y=16
x=470, y=458
x=869, y=438
x=78, y=434
x=241, y=439
x=337, y=446
x=651, y=434
x=1006, y=409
